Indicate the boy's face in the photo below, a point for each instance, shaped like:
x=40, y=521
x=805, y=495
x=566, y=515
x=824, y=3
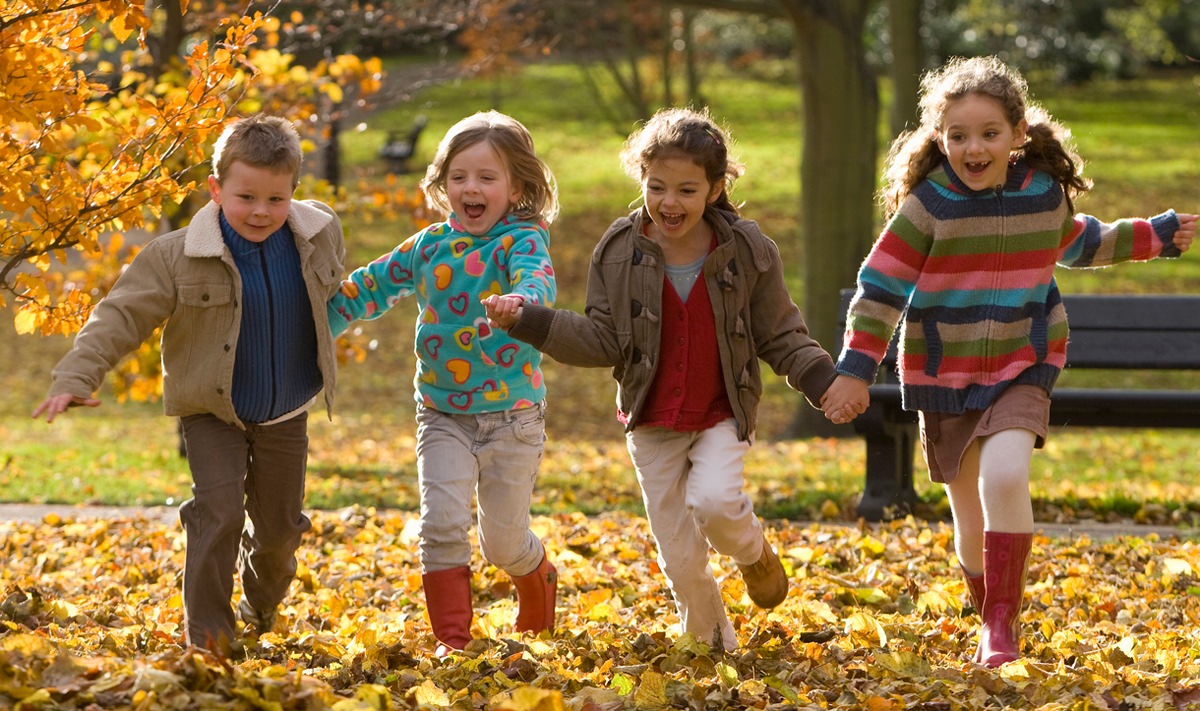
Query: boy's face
x=255, y=200
x=479, y=188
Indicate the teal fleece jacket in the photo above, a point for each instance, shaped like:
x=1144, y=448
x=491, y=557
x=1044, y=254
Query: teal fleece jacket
x=463, y=365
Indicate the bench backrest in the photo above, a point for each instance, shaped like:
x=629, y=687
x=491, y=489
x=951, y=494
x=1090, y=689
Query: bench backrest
x=1141, y=332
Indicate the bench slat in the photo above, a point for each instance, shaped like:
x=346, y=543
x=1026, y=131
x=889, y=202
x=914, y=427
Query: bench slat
x=1120, y=331
x=1131, y=349
x=1176, y=312
x=1091, y=407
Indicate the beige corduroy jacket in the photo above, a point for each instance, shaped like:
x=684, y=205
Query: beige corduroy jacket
x=187, y=279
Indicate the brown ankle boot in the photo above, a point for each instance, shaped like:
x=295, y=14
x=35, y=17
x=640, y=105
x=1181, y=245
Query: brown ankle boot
x=1005, y=562
x=536, y=595
x=766, y=581
x=448, y=604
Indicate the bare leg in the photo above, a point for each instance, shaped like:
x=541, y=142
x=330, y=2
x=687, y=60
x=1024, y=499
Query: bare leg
x=1004, y=481
x=967, y=507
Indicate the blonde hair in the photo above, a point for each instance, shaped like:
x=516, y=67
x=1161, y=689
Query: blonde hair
x=686, y=133
x=262, y=141
x=915, y=153
x=539, y=192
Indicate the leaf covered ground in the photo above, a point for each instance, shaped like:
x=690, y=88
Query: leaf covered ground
x=90, y=619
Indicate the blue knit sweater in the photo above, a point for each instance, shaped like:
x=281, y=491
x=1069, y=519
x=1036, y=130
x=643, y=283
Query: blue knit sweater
x=275, y=370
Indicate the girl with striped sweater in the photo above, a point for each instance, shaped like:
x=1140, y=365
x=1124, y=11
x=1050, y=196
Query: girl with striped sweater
x=979, y=199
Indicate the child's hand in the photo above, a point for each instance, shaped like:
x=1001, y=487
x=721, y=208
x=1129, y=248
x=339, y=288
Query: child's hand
x=58, y=404
x=846, y=399
x=1187, y=232
x=349, y=289
x=503, y=311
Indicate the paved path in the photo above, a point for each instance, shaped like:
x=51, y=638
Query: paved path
x=37, y=512
x=170, y=515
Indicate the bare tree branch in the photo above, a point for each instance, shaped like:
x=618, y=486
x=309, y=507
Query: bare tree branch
x=768, y=8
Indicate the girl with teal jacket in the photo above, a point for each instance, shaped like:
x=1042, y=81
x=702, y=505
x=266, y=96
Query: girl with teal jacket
x=480, y=394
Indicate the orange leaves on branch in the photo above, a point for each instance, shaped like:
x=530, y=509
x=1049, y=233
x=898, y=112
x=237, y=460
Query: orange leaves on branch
x=108, y=130
x=92, y=154
x=498, y=35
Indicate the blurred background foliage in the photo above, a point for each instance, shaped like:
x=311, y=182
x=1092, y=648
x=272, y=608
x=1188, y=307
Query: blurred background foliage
x=358, y=77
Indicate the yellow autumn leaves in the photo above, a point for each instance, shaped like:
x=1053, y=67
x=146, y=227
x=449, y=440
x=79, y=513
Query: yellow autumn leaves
x=89, y=616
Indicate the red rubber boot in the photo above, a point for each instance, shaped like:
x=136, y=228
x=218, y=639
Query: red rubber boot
x=976, y=591
x=536, y=595
x=1005, y=562
x=448, y=604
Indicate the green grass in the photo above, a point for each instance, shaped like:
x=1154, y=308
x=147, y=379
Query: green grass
x=1134, y=136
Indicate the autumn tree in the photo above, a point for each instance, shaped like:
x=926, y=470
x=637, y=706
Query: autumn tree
x=85, y=159
x=633, y=56
x=112, y=107
x=320, y=36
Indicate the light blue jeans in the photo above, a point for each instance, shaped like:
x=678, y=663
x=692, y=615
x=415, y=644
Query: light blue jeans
x=693, y=488
x=493, y=456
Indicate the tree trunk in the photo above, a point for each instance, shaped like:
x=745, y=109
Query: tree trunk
x=668, y=32
x=908, y=61
x=332, y=163
x=166, y=45
x=690, y=63
x=838, y=163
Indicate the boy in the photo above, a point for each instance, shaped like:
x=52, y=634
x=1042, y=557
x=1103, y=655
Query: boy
x=245, y=350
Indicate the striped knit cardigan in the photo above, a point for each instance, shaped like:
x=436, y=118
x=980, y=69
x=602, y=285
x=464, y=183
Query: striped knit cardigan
x=972, y=275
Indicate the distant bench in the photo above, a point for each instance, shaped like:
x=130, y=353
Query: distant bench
x=1109, y=331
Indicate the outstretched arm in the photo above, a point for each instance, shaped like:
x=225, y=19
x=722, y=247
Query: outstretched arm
x=371, y=290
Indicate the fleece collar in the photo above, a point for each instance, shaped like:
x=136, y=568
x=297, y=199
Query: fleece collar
x=203, y=237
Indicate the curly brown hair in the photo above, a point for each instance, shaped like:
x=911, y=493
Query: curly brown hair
x=914, y=154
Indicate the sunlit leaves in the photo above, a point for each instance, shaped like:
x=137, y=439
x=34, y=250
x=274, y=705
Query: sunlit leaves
x=85, y=159
x=89, y=615
x=105, y=137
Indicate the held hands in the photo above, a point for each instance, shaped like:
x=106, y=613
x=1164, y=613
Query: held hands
x=1186, y=233
x=349, y=289
x=58, y=404
x=845, y=399
x=503, y=310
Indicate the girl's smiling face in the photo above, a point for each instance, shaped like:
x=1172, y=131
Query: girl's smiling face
x=479, y=187
x=978, y=139
x=675, y=191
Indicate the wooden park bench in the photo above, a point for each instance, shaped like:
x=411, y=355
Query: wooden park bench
x=1107, y=332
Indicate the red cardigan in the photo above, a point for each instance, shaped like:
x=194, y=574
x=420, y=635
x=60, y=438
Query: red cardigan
x=688, y=393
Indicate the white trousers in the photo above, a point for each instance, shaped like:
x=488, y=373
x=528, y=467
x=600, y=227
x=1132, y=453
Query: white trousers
x=693, y=489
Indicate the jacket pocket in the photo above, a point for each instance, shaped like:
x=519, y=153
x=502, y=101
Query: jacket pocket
x=205, y=295
x=329, y=272
x=933, y=346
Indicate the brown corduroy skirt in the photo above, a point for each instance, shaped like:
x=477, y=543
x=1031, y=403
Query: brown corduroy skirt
x=945, y=436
